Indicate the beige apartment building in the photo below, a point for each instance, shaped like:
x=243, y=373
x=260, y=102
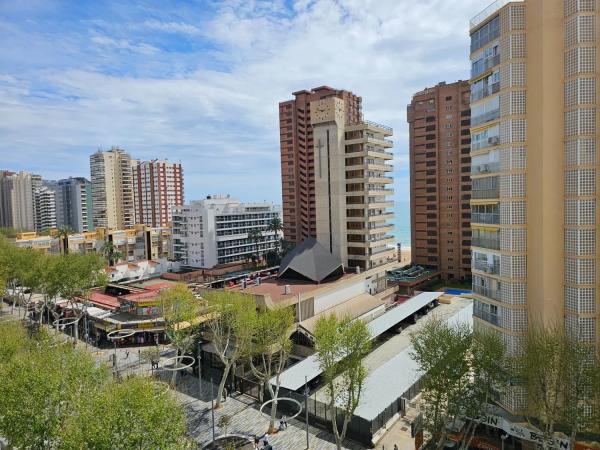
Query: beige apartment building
x=112, y=188
x=534, y=208
x=352, y=186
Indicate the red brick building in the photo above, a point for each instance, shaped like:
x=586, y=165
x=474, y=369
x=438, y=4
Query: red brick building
x=440, y=166
x=297, y=158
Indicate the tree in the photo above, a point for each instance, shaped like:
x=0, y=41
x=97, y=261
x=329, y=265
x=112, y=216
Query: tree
x=110, y=252
x=561, y=375
x=180, y=311
x=270, y=349
x=128, y=415
x=255, y=236
x=275, y=226
x=441, y=354
x=342, y=345
x=63, y=233
x=230, y=314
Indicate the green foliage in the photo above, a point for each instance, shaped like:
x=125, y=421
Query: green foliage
x=180, y=311
x=8, y=232
x=224, y=422
x=230, y=316
x=110, y=252
x=126, y=415
x=342, y=345
x=562, y=378
x=53, y=396
x=462, y=371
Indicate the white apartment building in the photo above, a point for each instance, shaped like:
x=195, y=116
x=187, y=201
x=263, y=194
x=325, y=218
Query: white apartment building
x=45, y=207
x=216, y=231
x=112, y=188
x=17, y=202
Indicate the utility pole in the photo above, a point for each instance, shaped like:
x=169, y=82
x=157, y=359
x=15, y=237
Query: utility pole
x=306, y=392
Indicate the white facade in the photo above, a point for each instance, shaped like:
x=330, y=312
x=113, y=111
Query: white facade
x=215, y=231
x=45, y=208
x=22, y=202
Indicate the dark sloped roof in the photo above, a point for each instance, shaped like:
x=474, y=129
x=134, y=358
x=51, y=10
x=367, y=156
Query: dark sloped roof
x=310, y=261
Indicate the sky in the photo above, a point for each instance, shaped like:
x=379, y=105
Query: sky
x=199, y=81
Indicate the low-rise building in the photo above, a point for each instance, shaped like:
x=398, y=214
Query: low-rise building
x=220, y=230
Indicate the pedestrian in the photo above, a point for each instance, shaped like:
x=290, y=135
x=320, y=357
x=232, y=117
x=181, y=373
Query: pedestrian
x=126, y=354
x=256, y=442
x=395, y=447
x=284, y=420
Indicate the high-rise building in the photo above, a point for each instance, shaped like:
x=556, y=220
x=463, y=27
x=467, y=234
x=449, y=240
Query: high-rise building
x=218, y=230
x=18, y=199
x=112, y=189
x=534, y=206
x=74, y=204
x=5, y=199
x=297, y=157
x=352, y=181
x=45, y=206
x=158, y=187
x=440, y=182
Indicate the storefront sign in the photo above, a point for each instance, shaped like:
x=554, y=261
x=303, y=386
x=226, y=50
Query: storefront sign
x=521, y=432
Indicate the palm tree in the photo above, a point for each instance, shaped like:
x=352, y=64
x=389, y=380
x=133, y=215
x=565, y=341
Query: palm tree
x=110, y=252
x=255, y=236
x=275, y=226
x=64, y=231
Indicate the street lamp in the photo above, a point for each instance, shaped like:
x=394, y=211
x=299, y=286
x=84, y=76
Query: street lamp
x=306, y=392
x=503, y=438
x=212, y=408
x=199, y=372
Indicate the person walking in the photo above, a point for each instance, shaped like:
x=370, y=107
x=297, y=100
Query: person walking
x=284, y=421
x=395, y=447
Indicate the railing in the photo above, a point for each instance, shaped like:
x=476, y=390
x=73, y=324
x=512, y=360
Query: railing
x=489, y=142
x=486, y=193
x=488, y=11
x=485, y=64
x=487, y=291
x=485, y=117
x=493, y=244
x=484, y=266
x=378, y=140
x=488, y=317
x=490, y=218
x=489, y=167
x=373, y=124
x=485, y=91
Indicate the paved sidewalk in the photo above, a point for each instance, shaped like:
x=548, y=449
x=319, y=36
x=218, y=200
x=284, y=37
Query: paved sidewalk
x=246, y=420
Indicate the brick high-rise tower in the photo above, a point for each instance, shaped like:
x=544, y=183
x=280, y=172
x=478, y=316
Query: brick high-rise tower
x=297, y=158
x=440, y=183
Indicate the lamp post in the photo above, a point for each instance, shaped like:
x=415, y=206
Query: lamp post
x=503, y=438
x=212, y=408
x=199, y=372
x=306, y=392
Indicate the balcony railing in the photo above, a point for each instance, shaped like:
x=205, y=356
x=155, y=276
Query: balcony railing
x=493, y=244
x=484, y=266
x=484, y=65
x=485, y=117
x=488, y=317
x=487, y=291
x=490, y=167
x=489, y=142
x=490, y=218
x=485, y=193
x=485, y=91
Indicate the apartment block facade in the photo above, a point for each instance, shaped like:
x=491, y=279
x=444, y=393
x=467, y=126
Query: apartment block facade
x=534, y=126
x=158, y=187
x=112, y=189
x=440, y=179
x=297, y=157
x=352, y=185
x=17, y=199
x=217, y=231
x=74, y=204
x=45, y=207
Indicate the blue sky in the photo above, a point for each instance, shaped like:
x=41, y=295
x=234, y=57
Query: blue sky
x=199, y=81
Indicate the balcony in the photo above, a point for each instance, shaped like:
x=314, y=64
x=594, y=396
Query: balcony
x=484, y=266
x=489, y=142
x=493, y=193
x=384, y=180
x=488, y=218
x=493, y=244
x=488, y=317
x=486, y=168
x=487, y=291
x=381, y=217
x=368, y=124
x=485, y=117
x=484, y=92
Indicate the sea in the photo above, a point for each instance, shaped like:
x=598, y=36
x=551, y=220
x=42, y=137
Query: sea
x=402, y=223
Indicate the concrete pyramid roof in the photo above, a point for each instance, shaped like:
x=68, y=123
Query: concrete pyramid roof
x=310, y=261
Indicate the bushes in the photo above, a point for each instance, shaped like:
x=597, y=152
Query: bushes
x=55, y=397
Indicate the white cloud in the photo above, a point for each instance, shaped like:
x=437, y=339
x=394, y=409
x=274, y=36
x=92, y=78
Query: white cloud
x=222, y=124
